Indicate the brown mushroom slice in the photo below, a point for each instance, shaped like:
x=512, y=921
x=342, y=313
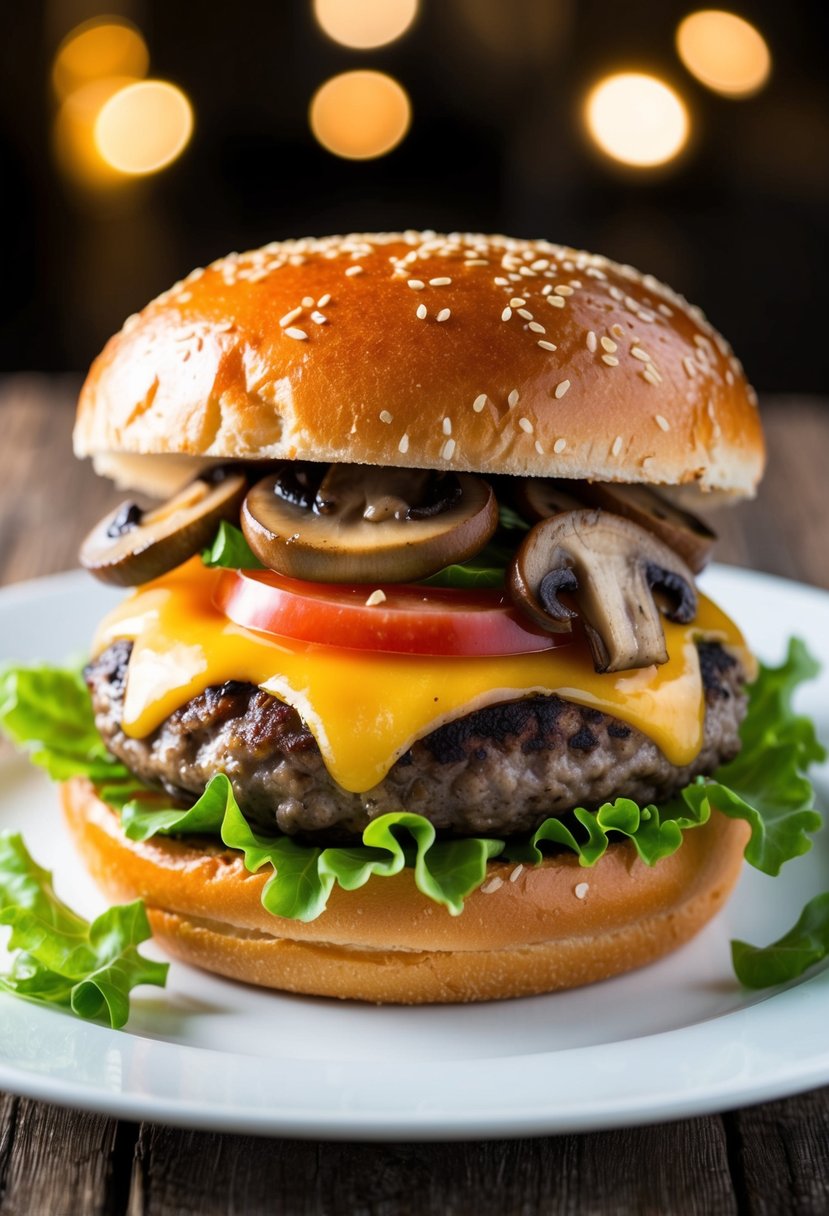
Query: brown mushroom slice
x=361, y=524
x=130, y=546
x=540, y=497
x=685, y=533
x=612, y=568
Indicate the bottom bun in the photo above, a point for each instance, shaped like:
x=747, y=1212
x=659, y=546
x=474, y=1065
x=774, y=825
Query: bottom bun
x=527, y=930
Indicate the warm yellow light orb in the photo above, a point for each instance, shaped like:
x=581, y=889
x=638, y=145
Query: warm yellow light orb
x=365, y=23
x=102, y=47
x=360, y=115
x=143, y=128
x=637, y=119
x=724, y=52
x=74, y=134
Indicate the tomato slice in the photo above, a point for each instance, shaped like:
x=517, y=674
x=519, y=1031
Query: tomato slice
x=410, y=620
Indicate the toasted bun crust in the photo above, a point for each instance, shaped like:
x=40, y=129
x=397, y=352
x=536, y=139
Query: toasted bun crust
x=315, y=350
x=525, y=931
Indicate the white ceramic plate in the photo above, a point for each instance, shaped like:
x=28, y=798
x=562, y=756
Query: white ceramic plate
x=675, y=1039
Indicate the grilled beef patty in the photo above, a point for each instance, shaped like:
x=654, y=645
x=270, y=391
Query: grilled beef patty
x=498, y=770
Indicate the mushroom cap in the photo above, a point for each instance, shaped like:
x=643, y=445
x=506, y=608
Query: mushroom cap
x=473, y=353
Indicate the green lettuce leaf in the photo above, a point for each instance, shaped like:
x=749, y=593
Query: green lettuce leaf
x=231, y=550
x=304, y=875
x=46, y=711
x=58, y=958
x=805, y=944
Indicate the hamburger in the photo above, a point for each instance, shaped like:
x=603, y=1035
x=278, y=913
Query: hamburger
x=414, y=697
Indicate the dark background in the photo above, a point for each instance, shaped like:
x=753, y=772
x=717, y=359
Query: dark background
x=739, y=223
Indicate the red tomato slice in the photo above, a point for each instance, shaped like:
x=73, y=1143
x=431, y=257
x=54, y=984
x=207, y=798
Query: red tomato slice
x=411, y=620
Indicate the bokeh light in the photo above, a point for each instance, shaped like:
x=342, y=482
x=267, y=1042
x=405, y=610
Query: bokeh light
x=360, y=115
x=637, y=119
x=365, y=23
x=74, y=135
x=102, y=47
x=724, y=52
x=143, y=127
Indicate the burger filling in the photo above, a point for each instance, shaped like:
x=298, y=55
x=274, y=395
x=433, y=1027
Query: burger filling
x=502, y=770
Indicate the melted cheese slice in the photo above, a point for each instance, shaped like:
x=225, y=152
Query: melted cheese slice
x=365, y=709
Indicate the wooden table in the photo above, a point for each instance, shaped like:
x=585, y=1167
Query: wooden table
x=769, y=1159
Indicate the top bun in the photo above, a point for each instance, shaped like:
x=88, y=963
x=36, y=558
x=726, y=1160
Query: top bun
x=477, y=353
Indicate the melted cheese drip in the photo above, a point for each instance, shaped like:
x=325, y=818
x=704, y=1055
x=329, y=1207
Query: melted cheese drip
x=365, y=709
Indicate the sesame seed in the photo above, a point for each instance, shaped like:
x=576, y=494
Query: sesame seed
x=556, y=301
x=559, y=446
x=563, y=290
x=665, y=310
x=299, y=334
x=492, y=885
x=751, y=394
x=617, y=330
x=581, y=889
x=319, y=318
x=416, y=284
x=386, y=417
x=561, y=389
x=690, y=366
x=352, y=270
x=536, y=327
x=526, y=425
x=546, y=289
x=501, y=282
x=610, y=360
x=729, y=376
x=653, y=371
x=545, y=345
x=516, y=873
x=447, y=426
x=422, y=312
x=444, y=314
x=517, y=302
x=662, y=422
x=376, y=597
x=403, y=445
x=528, y=273
x=648, y=375
x=323, y=300
x=506, y=314
x=591, y=341
x=307, y=301
x=443, y=281
x=289, y=317
x=514, y=397
x=640, y=354
x=525, y=313
x=476, y=262
x=617, y=446
x=647, y=317
x=479, y=403
x=448, y=449
x=538, y=447
x=609, y=345
x=615, y=293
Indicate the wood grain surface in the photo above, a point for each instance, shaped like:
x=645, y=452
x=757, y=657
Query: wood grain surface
x=768, y=1160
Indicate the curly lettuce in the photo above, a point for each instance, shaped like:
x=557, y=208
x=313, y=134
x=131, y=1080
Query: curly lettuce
x=57, y=957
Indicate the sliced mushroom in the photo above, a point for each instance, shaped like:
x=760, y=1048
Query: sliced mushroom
x=131, y=546
x=358, y=523
x=540, y=497
x=687, y=535
x=613, y=569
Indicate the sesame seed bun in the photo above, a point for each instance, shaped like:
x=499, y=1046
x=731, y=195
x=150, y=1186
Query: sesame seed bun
x=526, y=930
x=474, y=353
